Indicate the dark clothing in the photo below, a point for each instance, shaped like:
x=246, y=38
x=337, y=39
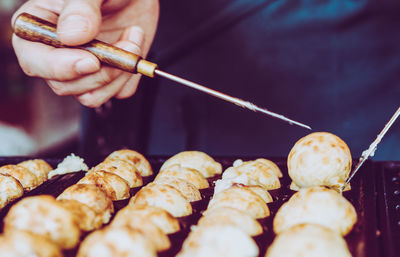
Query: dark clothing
x=333, y=65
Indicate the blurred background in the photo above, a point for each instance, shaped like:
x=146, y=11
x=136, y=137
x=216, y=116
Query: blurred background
x=333, y=65
x=33, y=120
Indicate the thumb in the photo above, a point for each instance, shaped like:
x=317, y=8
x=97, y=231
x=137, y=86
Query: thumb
x=79, y=21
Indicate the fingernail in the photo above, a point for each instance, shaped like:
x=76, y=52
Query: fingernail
x=86, y=66
x=136, y=35
x=73, y=24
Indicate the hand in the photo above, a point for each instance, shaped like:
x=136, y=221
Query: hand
x=128, y=24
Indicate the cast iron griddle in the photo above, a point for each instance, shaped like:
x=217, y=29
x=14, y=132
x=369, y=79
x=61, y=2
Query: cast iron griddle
x=375, y=233
x=388, y=176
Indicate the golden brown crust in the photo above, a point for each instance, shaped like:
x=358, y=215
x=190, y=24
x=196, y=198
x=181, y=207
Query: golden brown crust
x=124, y=169
x=40, y=168
x=242, y=199
x=45, y=216
x=199, y=161
x=188, y=174
x=219, y=240
x=187, y=189
x=256, y=171
x=319, y=159
x=309, y=240
x=10, y=189
x=150, y=230
x=231, y=216
x=156, y=215
x=260, y=191
x=117, y=241
x=317, y=205
x=19, y=243
x=115, y=186
x=85, y=217
x=273, y=167
x=163, y=196
x=27, y=179
x=141, y=163
x=93, y=197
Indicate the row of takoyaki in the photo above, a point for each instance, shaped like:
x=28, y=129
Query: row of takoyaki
x=83, y=207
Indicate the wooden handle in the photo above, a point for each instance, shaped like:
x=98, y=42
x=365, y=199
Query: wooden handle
x=32, y=28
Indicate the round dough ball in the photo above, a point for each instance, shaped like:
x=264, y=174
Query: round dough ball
x=317, y=205
x=309, y=240
x=260, y=191
x=160, y=240
x=93, y=197
x=200, y=161
x=85, y=217
x=319, y=159
x=156, y=215
x=219, y=241
x=124, y=169
x=17, y=243
x=256, y=171
x=10, y=189
x=242, y=199
x=116, y=241
x=187, y=189
x=40, y=168
x=45, y=216
x=115, y=186
x=272, y=166
x=137, y=159
x=231, y=216
x=163, y=196
x=188, y=174
x=243, y=181
x=27, y=179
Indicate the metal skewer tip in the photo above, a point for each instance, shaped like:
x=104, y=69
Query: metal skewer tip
x=237, y=101
x=372, y=148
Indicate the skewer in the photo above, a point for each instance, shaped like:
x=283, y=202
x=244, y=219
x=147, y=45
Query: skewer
x=372, y=148
x=32, y=28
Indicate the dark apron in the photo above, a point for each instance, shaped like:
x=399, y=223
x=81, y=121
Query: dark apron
x=334, y=65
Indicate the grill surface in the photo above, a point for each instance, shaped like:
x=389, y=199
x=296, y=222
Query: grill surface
x=375, y=195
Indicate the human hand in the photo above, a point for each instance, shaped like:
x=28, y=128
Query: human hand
x=128, y=24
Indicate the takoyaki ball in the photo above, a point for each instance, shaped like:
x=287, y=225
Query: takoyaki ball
x=219, y=241
x=200, y=161
x=260, y=191
x=45, y=216
x=319, y=159
x=231, y=216
x=116, y=241
x=309, y=240
x=165, y=197
x=273, y=167
x=140, y=162
x=190, y=175
x=27, y=179
x=115, y=186
x=187, y=189
x=16, y=243
x=242, y=199
x=316, y=205
x=10, y=189
x=40, y=168
x=144, y=225
x=243, y=181
x=256, y=171
x=124, y=169
x=93, y=197
x=158, y=216
x=86, y=217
